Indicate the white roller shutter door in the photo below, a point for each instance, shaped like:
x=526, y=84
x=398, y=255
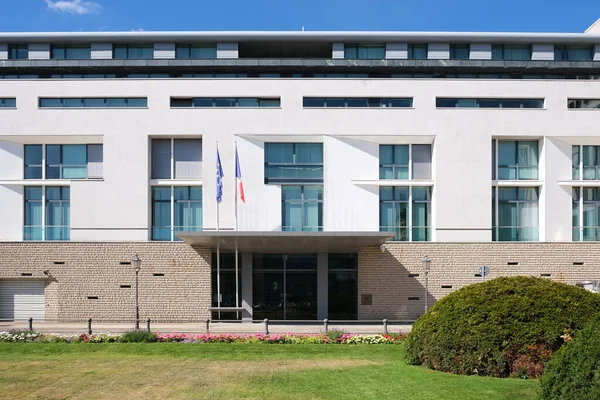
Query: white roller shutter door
x=22, y=299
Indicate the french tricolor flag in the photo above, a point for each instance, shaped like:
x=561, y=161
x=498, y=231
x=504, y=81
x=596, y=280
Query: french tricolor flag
x=238, y=176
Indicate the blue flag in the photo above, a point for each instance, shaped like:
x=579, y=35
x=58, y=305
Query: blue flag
x=219, y=178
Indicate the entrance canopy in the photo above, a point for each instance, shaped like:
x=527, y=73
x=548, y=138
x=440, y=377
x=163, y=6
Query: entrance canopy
x=286, y=242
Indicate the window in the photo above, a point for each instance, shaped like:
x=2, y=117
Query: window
x=209, y=102
x=8, y=103
x=225, y=290
x=184, y=203
x=395, y=161
x=503, y=52
x=342, y=286
x=592, y=104
x=516, y=214
x=193, y=51
x=365, y=52
x=586, y=208
x=443, y=102
x=589, y=163
x=135, y=52
x=54, y=202
x=176, y=159
x=517, y=159
x=417, y=51
x=93, y=102
x=405, y=211
x=293, y=163
x=459, y=51
x=573, y=53
x=302, y=208
x=69, y=161
x=356, y=102
x=71, y=52
x=18, y=51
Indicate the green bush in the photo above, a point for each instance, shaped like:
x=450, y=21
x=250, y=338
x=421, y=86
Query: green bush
x=335, y=334
x=574, y=372
x=503, y=327
x=139, y=337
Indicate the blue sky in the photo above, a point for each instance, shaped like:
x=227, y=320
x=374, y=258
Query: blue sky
x=426, y=15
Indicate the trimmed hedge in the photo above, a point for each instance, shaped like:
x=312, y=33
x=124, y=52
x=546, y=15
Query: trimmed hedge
x=574, y=372
x=503, y=327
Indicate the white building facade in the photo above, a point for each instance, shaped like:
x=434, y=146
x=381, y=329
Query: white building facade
x=360, y=154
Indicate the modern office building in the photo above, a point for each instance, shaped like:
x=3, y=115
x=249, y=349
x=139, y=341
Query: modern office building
x=360, y=154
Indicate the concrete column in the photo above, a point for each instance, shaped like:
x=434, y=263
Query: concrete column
x=337, y=50
x=3, y=52
x=39, y=51
x=481, y=51
x=322, y=285
x=227, y=50
x=396, y=51
x=247, y=286
x=102, y=51
x=438, y=51
x=542, y=52
x=164, y=50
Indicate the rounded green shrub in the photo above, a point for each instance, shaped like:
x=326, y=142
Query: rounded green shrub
x=574, y=371
x=139, y=337
x=503, y=327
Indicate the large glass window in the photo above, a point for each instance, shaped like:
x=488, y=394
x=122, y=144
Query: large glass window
x=573, y=53
x=343, y=286
x=176, y=159
x=517, y=159
x=417, y=51
x=293, y=162
x=302, y=208
x=33, y=226
x=194, y=51
x=459, y=51
x=18, y=52
x=66, y=161
x=130, y=51
x=33, y=161
x=504, y=52
x=590, y=162
x=184, y=203
x=394, y=161
x=71, y=52
x=225, y=289
x=586, y=214
x=406, y=211
x=516, y=214
x=58, y=203
x=366, y=52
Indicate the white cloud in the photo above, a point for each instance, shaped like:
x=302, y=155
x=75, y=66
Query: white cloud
x=78, y=7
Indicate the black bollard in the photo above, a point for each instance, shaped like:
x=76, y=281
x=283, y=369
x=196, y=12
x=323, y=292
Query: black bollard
x=148, y=324
x=266, y=326
x=89, y=326
x=30, y=324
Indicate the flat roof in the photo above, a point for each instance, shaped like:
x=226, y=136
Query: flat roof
x=285, y=242
x=299, y=36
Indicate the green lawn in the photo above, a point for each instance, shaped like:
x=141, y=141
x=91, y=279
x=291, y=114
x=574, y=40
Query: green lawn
x=233, y=371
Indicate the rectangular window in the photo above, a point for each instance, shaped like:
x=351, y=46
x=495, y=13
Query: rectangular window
x=33, y=226
x=417, y=51
x=516, y=214
x=586, y=214
x=342, y=286
x=8, y=103
x=517, y=160
x=71, y=52
x=459, y=51
x=57, y=213
x=591, y=162
x=67, y=161
x=589, y=104
x=133, y=52
x=394, y=161
x=184, y=203
x=406, y=212
x=209, y=102
x=357, y=102
x=364, y=52
x=93, y=102
x=196, y=51
x=443, y=102
x=302, y=208
x=33, y=161
x=504, y=52
x=176, y=159
x=18, y=51
x=293, y=163
x=573, y=53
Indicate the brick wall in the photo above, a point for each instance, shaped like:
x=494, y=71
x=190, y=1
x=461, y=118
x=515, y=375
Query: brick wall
x=95, y=269
x=454, y=265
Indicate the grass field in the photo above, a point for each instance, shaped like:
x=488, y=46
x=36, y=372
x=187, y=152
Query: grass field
x=233, y=371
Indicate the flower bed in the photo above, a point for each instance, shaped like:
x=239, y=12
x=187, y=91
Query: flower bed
x=276, y=338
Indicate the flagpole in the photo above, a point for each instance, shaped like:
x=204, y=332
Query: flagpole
x=237, y=294
x=218, y=247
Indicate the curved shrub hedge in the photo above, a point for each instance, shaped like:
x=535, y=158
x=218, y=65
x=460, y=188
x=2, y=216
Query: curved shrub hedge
x=503, y=327
x=574, y=372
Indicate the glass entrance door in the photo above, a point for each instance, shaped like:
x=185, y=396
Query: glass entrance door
x=285, y=286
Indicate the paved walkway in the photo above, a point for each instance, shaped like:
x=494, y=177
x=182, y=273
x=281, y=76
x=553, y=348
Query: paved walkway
x=215, y=327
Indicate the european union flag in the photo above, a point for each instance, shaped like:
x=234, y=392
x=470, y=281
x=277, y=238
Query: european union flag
x=219, y=178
